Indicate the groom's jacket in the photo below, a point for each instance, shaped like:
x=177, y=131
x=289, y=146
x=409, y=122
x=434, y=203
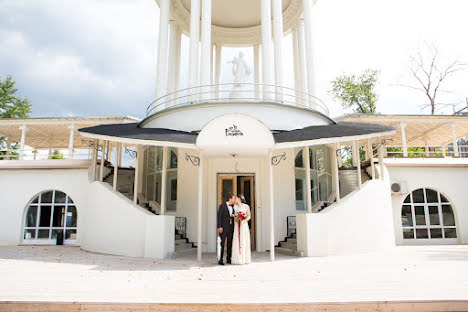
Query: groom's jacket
x=225, y=221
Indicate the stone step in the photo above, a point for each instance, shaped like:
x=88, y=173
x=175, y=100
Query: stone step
x=291, y=240
x=288, y=245
x=289, y=252
x=183, y=246
x=177, y=237
x=183, y=252
x=180, y=241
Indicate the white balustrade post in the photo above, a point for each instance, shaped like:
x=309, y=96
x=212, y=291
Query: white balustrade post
x=205, y=68
x=306, y=158
x=161, y=72
x=8, y=147
x=266, y=49
x=272, y=209
x=200, y=209
x=257, y=71
x=22, y=142
x=278, y=46
x=403, y=139
x=164, y=181
x=336, y=172
x=103, y=157
x=427, y=152
x=194, y=45
x=340, y=158
x=308, y=35
x=137, y=174
x=454, y=140
x=297, y=74
x=371, y=157
x=94, y=159
x=381, y=159
x=219, y=49
x=358, y=163
x=70, y=141
x=302, y=62
x=117, y=164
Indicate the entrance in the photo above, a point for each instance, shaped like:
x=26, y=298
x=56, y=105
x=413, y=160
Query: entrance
x=238, y=184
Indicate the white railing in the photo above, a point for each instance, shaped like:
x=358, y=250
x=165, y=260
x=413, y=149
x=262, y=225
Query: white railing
x=423, y=152
x=235, y=92
x=45, y=154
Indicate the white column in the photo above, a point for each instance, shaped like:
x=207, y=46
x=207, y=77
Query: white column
x=174, y=60
x=219, y=49
x=121, y=156
x=297, y=74
x=306, y=158
x=268, y=78
x=137, y=174
x=194, y=42
x=340, y=159
x=278, y=44
x=200, y=209
x=272, y=210
x=426, y=147
x=354, y=154
x=336, y=172
x=403, y=139
x=164, y=181
x=358, y=163
x=118, y=156
x=23, y=141
x=302, y=61
x=454, y=140
x=70, y=141
x=307, y=8
x=257, y=71
x=94, y=159
x=381, y=157
x=371, y=157
x=205, y=68
x=161, y=72
x=101, y=169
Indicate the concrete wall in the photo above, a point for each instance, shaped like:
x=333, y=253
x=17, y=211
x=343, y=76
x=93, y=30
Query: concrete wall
x=19, y=186
x=361, y=222
x=114, y=225
x=450, y=181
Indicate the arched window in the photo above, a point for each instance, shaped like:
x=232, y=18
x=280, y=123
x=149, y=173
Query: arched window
x=427, y=214
x=48, y=214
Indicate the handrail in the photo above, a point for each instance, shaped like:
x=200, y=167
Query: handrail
x=228, y=92
x=421, y=152
x=45, y=154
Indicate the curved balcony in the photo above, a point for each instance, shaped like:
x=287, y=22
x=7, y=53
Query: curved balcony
x=237, y=92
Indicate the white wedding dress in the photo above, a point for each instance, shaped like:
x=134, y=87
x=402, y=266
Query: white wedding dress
x=241, y=238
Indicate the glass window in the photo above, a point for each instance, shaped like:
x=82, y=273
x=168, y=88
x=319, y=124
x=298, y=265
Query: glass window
x=427, y=214
x=31, y=217
x=173, y=159
x=299, y=161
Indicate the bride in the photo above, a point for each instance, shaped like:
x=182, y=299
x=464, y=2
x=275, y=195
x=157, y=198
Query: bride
x=241, y=237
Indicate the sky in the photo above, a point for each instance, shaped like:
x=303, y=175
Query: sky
x=98, y=57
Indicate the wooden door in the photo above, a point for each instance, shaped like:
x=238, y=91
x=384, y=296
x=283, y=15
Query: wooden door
x=247, y=188
x=226, y=185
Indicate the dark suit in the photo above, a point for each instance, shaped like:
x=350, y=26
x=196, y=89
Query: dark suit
x=226, y=222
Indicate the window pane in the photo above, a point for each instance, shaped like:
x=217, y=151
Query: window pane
x=43, y=234
x=70, y=234
x=323, y=187
x=299, y=189
x=419, y=215
x=406, y=216
x=436, y=233
x=35, y=200
x=418, y=196
x=44, y=218
x=69, y=200
x=150, y=187
x=443, y=199
x=173, y=189
x=407, y=199
x=299, y=162
x=31, y=217
x=447, y=215
x=55, y=232
x=57, y=220
x=431, y=196
x=312, y=158
x=29, y=234
x=60, y=197
x=151, y=159
x=320, y=159
x=421, y=233
x=46, y=197
x=72, y=216
x=173, y=160
x=450, y=233
x=434, y=215
x=408, y=233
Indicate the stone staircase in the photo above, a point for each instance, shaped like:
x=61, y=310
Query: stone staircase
x=348, y=180
x=183, y=247
x=124, y=181
x=289, y=247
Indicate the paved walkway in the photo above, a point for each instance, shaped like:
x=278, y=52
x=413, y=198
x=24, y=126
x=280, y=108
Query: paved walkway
x=70, y=274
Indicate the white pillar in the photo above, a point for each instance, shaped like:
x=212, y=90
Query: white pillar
x=381, y=157
x=23, y=141
x=164, y=181
x=336, y=172
x=101, y=169
x=371, y=157
x=200, y=209
x=272, y=210
x=121, y=154
x=70, y=141
x=297, y=73
x=358, y=163
x=219, y=49
x=403, y=139
x=194, y=42
x=267, y=49
x=306, y=158
x=161, y=72
x=206, y=48
x=174, y=60
x=137, y=174
x=278, y=45
x=454, y=140
x=302, y=62
x=426, y=147
x=340, y=159
x=94, y=159
x=118, y=156
x=307, y=8
x=257, y=71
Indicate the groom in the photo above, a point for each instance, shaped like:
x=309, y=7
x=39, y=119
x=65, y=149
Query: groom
x=226, y=226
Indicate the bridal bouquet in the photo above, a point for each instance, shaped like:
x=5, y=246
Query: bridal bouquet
x=240, y=216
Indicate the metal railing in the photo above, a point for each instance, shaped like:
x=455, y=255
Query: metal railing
x=235, y=92
x=291, y=225
x=181, y=226
x=45, y=154
x=423, y=152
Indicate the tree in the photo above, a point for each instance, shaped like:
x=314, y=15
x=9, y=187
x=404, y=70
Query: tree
x=357, y=92
x=429, y=75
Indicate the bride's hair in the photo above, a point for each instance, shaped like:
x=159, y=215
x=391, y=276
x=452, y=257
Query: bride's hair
x=242, y=198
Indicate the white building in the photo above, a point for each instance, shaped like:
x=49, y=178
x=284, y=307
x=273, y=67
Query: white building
x=151, y=187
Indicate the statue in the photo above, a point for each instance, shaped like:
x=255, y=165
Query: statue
x=241, y=70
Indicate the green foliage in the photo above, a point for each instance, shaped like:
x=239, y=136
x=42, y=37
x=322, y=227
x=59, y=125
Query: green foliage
x=56, y=154
x=357, y=92
x=11, y=105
